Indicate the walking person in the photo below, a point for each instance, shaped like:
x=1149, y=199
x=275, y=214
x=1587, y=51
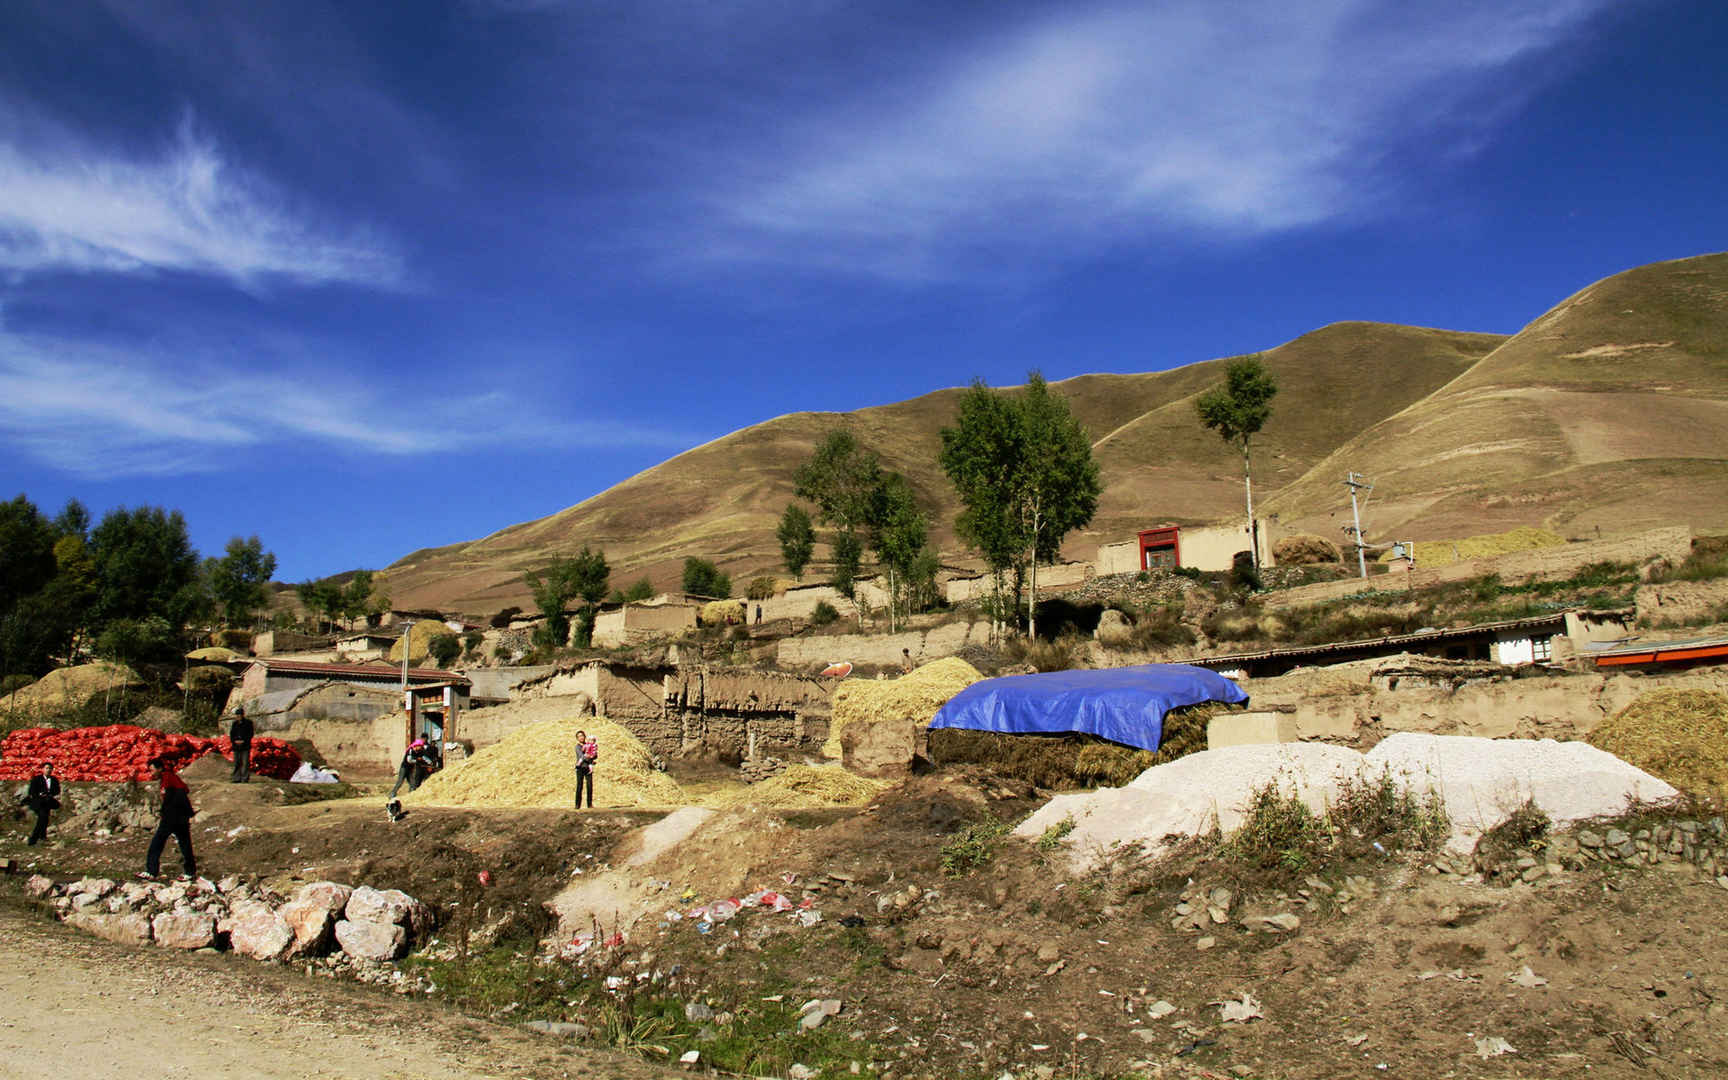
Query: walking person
x=43, y=797
x=240, y=742
x=175, y=820
x=587, y=753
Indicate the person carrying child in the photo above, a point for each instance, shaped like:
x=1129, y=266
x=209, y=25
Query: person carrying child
x=587, y=753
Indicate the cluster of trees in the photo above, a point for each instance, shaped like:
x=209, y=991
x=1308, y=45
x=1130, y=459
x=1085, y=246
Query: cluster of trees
x=362, y=596
x=1022, y=466
x=126, y=588
x=582, y=576
x=866, y=508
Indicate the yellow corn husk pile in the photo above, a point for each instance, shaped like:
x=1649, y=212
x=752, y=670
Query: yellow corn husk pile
x=804, y=787
x=911, y=697
x=1431, y=553
x=535, y=766
x=419, y=640
x=1680, y=736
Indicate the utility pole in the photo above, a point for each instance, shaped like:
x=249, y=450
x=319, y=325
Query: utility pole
x=1354, y=481
x=407, y=651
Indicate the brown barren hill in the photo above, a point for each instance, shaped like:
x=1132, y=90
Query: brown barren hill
x=1607, y=414
x=722, y=500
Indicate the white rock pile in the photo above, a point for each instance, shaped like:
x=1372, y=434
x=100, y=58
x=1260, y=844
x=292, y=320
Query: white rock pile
x=321, y=918
x=1480, y=782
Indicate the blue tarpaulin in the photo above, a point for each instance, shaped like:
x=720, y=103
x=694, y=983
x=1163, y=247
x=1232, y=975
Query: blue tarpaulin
x=1125, y=705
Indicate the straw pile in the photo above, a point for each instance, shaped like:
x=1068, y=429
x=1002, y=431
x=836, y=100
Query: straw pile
x=1075, y=761
x=1680, y=736
x=804, y=787
x=418, y=640
x=535, y=766
x=1445, y=552
x=911, y=697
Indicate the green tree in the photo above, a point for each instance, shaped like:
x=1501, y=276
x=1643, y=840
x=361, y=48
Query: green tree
x=26, y=551
x=580, y=576
x=641, y=589
x=323, y=601
x=703, y=578
x=364, y=597
x=145, y=566
x=844, y=480
x=848, y=554
x=1237, y=411
x=901, y=533
x=797, y=539
x=240, y=579
x=1023, y=468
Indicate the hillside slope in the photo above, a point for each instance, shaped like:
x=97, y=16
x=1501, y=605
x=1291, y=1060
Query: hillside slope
x=723, y=499
x=1607, y=413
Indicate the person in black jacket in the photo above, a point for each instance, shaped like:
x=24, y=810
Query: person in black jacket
x=43, y=798
x=176, y=821
x=240, y=742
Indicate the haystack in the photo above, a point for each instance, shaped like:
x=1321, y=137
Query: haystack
x=804, y=787
x=1680, y=736
x=914, y=697
x=418, y=640
x=70, y=687
x=534, y=766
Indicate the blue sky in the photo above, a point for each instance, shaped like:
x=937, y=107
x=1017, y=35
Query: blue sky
x=366, y=277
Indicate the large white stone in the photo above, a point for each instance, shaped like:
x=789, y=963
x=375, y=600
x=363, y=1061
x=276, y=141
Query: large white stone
x=262, y=935
x=376, y=941
x=124, y=929
x=184, y=930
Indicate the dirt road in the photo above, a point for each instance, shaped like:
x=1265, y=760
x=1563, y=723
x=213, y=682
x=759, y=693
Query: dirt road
x=71, y=1005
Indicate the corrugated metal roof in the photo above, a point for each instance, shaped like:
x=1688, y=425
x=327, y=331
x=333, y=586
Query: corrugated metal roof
x=1658, y=652
x=1417, y=637
x=382, y=672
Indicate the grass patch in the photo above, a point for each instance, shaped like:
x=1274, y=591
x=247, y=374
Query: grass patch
x=1707, y=561
x=1524, y=830
x=1371, y=817
x=1062, y=654
x=974, y=846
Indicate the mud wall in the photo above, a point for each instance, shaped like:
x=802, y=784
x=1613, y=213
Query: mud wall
x=1678, y=603
x=1544, y=707
x=1673, y=544
x=813, y=654
x=370, y=746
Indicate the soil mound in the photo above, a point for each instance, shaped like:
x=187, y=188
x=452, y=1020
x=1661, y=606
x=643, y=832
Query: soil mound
x=1678, y=735
x=535, y=766
x=913, y=697
x=68, y=688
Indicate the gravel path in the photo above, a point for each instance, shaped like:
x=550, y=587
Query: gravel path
x=72, y=1005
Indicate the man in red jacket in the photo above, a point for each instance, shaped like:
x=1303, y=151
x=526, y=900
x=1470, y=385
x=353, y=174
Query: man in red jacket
x=175, y=821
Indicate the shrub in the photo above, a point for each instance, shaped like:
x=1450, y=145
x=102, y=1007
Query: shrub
x=760, y=588
x=444, y=648
x=824, y=614
x=1161, y=626
x=1059, y=655
x=502, y=619
x=471, y=641
x=1278, y=832
x=973, y=846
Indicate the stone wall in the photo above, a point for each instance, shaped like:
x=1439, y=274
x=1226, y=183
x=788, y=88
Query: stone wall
x=1061, y=576
x=740, y=712
x=1673, y=544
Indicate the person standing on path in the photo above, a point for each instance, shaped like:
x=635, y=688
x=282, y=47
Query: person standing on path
x=240, y=742
x=43, y=798
x=413, y=768
x=587, y=753
x=175, y=820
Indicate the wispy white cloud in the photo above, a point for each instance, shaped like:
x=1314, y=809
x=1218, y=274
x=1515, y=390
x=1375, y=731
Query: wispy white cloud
x=67, y=205
x=1120, y=122
x=103, y=412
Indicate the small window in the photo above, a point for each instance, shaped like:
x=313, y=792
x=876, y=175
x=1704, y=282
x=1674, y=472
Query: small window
x=1542, y=648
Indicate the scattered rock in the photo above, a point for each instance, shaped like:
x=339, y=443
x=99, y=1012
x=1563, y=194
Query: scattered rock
x=260, y=933
x=38, y=886
x=122, y=929
x=1283, y=921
